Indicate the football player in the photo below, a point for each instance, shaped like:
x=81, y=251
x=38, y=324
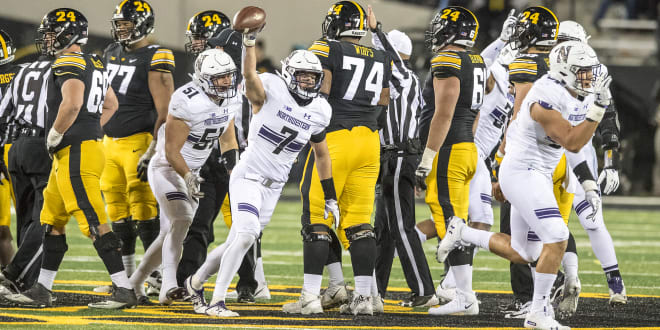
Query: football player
x=453, y=92
x=199, y=112
x=141, y=75
x=78, y=93
x=7, y=72
x=356, y=82
x=287, y=114
x=201, y=27
x=551, y=120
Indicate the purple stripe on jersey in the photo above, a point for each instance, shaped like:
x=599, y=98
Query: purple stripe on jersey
x=193, y=138
x=270, y=135
x=583, y=205
x=486, y=199
x=531, y=236
x=176, y=195
x=498, y=115
x=294, y=146
x=247, y=207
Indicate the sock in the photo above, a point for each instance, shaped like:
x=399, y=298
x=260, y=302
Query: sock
x=335, y=274
x=570, y=263
x=230, y=264
x=603, y=247
x=612, y=272
x=422, y=236
x=129, y=263
x=212, y=263
x=363, y=285
x=46, y=278
x=542, y=286
x=312, y=283
x=121, y=280
x=480, y=238
x=448, y=282
x=196, y=282
x=259, y=271
x=463, y=278
x=374, y=285
x=151, y=260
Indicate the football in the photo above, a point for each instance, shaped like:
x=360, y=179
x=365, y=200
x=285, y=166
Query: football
x=249, y=19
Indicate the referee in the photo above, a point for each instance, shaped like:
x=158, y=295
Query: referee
x=400, y=150
x=25, y=103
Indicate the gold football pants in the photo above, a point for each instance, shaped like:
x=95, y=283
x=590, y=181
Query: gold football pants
x=564, y=198
x=6, y=194
x=74, y=187
x=124, y=193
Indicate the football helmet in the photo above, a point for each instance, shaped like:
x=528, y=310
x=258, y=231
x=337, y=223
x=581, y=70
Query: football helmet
x=59, y=29
x=452, y=25
x=137, y=12
x=201, y=27
x=210, y=65
x=575, y=65
x=571, y=30
x=302, y=61
x=536, y=26
x=345, y=19
x=6, y=48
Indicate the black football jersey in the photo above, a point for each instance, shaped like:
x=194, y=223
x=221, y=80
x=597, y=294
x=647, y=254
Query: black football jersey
x=527, y=68
x=471, y=71
x=89, y=69
x=129, y=77
x=359, y=74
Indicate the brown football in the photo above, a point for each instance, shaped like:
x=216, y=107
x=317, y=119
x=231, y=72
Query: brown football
x=249, y=19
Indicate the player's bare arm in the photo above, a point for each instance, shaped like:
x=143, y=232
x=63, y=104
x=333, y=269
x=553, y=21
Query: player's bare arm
x=323, y=162
x=446, y=92
x=229, y=145
x=254, y=89
x=176, y=134
x=573, y=138
x=73, y=91
x=161, y=87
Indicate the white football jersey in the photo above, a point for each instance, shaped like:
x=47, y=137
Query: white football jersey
x=280, y=130
x=526, y=141
x=494, y=112
x=206, y=120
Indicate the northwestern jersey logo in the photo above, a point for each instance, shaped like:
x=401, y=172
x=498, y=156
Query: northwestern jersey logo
x=215, y=120
x=292, y=120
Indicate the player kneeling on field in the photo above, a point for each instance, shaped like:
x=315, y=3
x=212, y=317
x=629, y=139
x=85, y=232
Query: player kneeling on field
x=287, y=114
x=199, y=112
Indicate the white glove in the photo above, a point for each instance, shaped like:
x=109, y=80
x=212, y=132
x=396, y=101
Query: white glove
x=143, y=162
x=611, y=178
x=249, y=39
x=509, y=26
x=592, y=197
x=331, y=206
x=602, y=90
x=193, y=180
x=53, y=140
x=424, y=168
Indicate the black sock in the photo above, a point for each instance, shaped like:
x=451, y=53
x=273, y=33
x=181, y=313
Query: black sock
x=315, y=254
x=108, y=247
x=363, y=256
x=54, y=249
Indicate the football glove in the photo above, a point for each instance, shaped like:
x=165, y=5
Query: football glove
x=53, y=139
x=250, y=39
x=331, y=206
x=592, y=197
x=424, y=168
x=602, y=91
x=610, y=178
x=509, y=26
x=143, y=163
x=193, y=181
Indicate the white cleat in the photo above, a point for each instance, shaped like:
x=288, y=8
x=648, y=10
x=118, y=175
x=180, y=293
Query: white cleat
x=568, y=304
x=451, y=240
x=307, y=304
x=358, y=305
x=196, y=296
x=464, y=304
x=444, y=295
x=543, y=321
x=378, y=304
x=220, y=310
x=103, y=289
x=334, y=296
x=154, y=282
x=617, y=291
x=262, y=291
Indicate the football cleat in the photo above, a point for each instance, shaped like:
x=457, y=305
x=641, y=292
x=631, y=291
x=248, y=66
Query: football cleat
x=358, y=305
x=463, y=304
x=519, y=311
x=451, y=240
x=103, y=289
x=262, y=291
x=144, y=301
x=196, y=296
x=308, y=303
x=220, y=310
x=378, y=304
x=245, y=296
x=121, y=298
x=334, y=296
x=543, y=320
x=154, y=281
x=444, y=295
x=36, y=296
x=421, y=301
x=617, y=291
x=7, y=286
x=173, y=294
x=569, y=301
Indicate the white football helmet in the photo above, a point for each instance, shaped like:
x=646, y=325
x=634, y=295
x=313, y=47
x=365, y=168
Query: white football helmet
x=297, y=62
x=572, y=62
x=571, y=30
x=210, y=65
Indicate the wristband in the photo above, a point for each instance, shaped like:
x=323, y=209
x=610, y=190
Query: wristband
x=229, y=158
x=328, y=186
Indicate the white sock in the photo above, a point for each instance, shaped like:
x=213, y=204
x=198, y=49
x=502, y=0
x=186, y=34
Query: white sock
x=195, y=282
x=46, y=278
x=422, y=236
x=335, y=274
x=480, y=238
x=448, y=282
x=463, y=278
x=570, y=263
x=129, y=263
x=603, y=247
x=150, y=261
x=374, y=285
x=230, y=263
x=121, y=280
x=172, y=247
x=212, y=262
x=363, y=285
x=312, y=283
x=542, y=286
x=259, y=271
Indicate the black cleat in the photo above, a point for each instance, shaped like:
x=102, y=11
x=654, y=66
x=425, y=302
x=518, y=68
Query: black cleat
x=415, y=301
x=36, y=296
x=245, y=296
x=144, y=301
x=121, y=298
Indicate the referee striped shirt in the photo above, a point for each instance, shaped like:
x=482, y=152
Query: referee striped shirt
x=405, y=97
x=24, y=102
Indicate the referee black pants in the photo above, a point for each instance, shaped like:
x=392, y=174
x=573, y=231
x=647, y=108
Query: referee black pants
x=29, y=167
x=395, y=225
x=200, y=233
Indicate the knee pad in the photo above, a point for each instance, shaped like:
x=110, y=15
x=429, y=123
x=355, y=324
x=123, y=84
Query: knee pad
x=106, y=243
x=56, y=244
x=126, y=232
x=316, y=232
x=461, y=256
x=359, y=232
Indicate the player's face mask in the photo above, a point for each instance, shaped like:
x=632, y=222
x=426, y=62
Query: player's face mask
x=585, y=78
x=122, y=29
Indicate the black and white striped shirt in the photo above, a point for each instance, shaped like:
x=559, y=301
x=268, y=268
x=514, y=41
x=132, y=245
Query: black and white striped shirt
x=405, y=97
x=24, y=102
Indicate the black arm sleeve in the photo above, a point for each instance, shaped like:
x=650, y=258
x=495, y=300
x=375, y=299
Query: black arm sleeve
x=609, y=129
x=583, y=173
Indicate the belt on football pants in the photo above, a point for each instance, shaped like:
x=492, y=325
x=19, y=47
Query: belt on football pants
x=266, y=182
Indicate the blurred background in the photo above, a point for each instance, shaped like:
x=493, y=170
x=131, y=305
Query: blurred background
x=624, y=33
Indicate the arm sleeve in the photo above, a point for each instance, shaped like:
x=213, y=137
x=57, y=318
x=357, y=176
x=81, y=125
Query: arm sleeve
x=491, y=52
x=162, y=60
x=609, y=129
x=445, y=65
